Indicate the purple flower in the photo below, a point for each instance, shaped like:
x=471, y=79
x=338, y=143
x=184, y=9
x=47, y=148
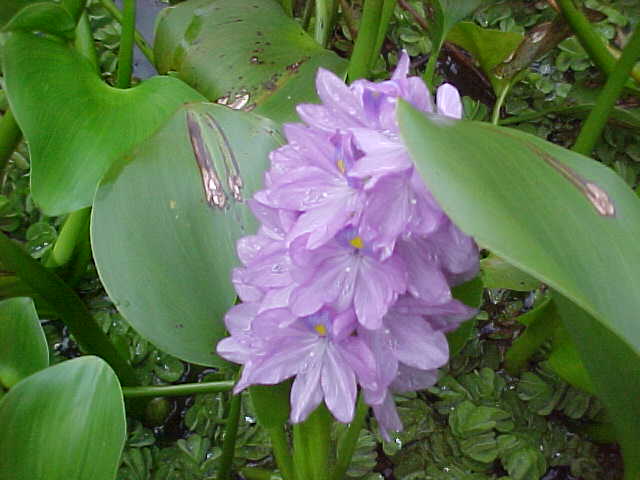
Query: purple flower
x=347, y=283
x=327, y=362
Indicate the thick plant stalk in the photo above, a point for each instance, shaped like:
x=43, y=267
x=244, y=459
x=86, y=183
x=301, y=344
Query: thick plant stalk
x=125, y=53
x=347, y=444
x=587, y=36
x=144, y=47
x=300, y=453
x=72, y=229
x=177, y=390
x=592, y=127
x=366, y=41
x=315, y=433
x=230, y=436
x=10, y=136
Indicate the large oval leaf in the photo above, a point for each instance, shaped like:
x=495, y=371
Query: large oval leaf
x=165, y=247
x=23, y=346
x=246, y=54
x=555, y=214
x=77, y=125
x=64, y=422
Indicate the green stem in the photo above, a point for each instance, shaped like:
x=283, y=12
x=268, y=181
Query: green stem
x=385, y=17
x=282, y=452
x=526, y=117
x=587, y=36
x=70, y=235
x=495, y=116
x=347, y=444
x=301, y=454
x=144, y=47
x=230, y=436
x=127, y=38
x=10, y=136
x=69, y=306
x=308, y=12
x=82, y=255
x=325, y=12
x=595, y=122
x=316, y=433
x=84, y=41
x=287, y=6
x=365, y=42
x=543, y=320
x=431, y=66
x=177, y=390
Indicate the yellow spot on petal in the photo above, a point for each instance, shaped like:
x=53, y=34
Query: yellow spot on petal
x=357, y=242
x=341, y=166
x=321, y=329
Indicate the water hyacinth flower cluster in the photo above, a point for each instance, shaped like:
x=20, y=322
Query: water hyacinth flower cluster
x=348, y=281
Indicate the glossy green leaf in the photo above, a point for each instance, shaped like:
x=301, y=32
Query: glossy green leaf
x=244, y=54
x=23, y=346
x=43, y=17
x=559, y=216
x=76, y=125
x=488, y=47
x=446, y=14
x=64, y=422
x=496, y=273
x=164, y=246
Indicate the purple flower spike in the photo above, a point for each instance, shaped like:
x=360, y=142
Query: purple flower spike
x=347, y=284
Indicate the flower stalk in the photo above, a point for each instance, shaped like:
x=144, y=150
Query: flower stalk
x=316, y=432
x=347, y=444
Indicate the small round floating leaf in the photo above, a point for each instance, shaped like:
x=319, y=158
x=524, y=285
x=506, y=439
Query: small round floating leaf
x=64, y=422
x=165, y=225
